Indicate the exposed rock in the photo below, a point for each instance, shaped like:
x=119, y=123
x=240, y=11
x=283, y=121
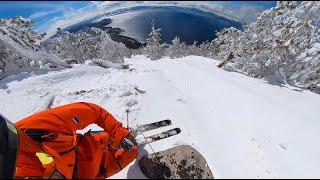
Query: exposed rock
x=71, y=61
x=139, y=90
x=180, y=162
x=115, y=33
x=132, y=102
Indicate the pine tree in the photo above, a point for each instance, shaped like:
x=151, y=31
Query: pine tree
x=154, y=36
x=153, y=49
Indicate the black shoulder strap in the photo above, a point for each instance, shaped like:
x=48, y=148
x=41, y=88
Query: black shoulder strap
x=3, y=148
x=9, y=140
x=75, y=168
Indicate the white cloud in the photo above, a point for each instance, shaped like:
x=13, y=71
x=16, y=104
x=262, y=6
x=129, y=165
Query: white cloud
x=41, y=14
x=248, y=13
x=97, y=3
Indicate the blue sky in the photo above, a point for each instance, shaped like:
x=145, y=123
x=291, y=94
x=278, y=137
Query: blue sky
x=40, y=11
x=51, y=14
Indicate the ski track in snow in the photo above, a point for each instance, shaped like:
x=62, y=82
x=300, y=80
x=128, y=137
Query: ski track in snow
x=244, y=127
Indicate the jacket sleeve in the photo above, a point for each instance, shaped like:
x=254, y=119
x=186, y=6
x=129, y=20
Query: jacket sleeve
x=85, y=114
x=75, y=116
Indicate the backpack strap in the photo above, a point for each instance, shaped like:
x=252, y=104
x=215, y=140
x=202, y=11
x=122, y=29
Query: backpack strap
x=75, y=168
x=46, y=152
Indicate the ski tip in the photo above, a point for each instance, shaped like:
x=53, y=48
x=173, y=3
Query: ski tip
x=167, y=121
x=178, y=130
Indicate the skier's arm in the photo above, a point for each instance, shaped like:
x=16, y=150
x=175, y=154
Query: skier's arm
x=85, y=114
x=68, y=118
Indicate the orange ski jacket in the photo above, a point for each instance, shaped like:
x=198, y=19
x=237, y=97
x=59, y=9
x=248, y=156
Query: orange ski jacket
x=86, y=156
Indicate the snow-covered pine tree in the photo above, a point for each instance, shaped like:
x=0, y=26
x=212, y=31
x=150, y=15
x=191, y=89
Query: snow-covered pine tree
x=177, y=49
x=153, y=49
x=193, y=49
x=20, y=49
x=82, y=46
x=281, y=46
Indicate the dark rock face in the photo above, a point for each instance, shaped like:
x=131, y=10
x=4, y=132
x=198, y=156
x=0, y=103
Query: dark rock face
x=180, y=162
x=129, y=42
x=115, y=33
x=153, y=169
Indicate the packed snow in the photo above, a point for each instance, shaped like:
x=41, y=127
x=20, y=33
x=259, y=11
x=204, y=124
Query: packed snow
x=244, y=127
x=280, y=46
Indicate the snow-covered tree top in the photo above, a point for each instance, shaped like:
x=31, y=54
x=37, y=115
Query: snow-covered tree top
x=280, y=46
x=20, y=30
x=154, y=36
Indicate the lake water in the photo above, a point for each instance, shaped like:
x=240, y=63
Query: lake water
x=188, y=24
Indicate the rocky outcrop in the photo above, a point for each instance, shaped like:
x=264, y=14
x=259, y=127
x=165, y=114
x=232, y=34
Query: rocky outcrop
x=114, y=32
x=180, y=162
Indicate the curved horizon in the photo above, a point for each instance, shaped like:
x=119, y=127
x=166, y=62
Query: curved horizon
x=49, y=15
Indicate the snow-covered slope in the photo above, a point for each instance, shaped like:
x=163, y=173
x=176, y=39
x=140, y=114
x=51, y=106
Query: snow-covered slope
x=244, y=127
x=281, y=46
x=20, y=50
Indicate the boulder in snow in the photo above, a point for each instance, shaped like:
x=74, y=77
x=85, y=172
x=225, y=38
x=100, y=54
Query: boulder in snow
x=180, y=162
